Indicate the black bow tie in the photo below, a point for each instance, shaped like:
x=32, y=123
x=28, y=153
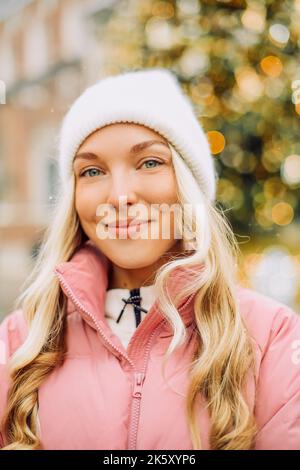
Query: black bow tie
x=135, y=300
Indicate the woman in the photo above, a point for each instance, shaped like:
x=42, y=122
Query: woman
x=133, y=332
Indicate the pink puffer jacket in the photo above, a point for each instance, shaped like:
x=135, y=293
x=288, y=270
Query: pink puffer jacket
x=104, y=397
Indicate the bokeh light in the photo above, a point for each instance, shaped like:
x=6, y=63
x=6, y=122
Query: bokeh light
x=279, y=34
x=160, y=34
x=254, y=19
x=249, y=83
x=290, y=170
x=216, y=140
x=271, y=65
x=163, y=10
x=274, y=272
x=282, y=213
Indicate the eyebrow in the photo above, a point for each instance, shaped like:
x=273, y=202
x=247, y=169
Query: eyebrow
x=135, y=149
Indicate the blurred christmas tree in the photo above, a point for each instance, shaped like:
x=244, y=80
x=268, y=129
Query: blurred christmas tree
x=239, y=62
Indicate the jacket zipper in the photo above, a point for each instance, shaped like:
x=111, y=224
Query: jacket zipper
x=139, y=377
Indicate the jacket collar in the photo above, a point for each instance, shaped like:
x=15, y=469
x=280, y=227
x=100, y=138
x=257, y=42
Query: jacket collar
x=85, y=278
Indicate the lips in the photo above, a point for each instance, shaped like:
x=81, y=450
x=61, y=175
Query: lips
x=127, y=223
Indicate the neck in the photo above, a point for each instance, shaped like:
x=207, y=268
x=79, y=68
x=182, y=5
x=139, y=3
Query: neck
x=123, y=278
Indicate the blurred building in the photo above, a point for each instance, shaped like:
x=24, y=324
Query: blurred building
x=48, y=54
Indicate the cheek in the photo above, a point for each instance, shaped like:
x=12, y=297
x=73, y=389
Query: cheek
x=86, y=202
x=162, y=190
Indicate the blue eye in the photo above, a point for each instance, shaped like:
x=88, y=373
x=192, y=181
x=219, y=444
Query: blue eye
x=89, y=169
x=151, y=161
x=153, y=164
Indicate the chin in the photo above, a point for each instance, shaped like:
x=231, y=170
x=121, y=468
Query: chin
x=132, y=263
x=131, y=255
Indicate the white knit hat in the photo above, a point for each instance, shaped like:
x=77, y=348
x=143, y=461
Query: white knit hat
x=151, y=97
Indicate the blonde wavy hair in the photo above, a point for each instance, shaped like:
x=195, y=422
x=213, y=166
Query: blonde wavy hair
x=224, y=354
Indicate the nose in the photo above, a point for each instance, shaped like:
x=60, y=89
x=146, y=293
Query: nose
x=121, y=191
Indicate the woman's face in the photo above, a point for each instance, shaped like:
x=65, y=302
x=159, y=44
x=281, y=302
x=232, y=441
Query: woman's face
x=119, y=179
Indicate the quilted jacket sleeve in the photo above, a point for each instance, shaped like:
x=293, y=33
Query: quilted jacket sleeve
x=278, y=390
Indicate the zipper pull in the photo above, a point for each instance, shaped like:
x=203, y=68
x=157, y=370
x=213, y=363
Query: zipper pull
x=139, y=378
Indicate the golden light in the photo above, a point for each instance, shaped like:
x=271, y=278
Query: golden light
x=163, y=10
x=273, y=156
x=160, y=34
x=271, y=66
x=249, y=83
x=229, y=193
x=297, y=5
x=193, y=61
x=254, y=20
x=226, y=190
x=297, y=108
x=263, y=215
x=201, y=91
x=282, y=213
x=290, y=170
x=216, y=141
x=274, y=188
